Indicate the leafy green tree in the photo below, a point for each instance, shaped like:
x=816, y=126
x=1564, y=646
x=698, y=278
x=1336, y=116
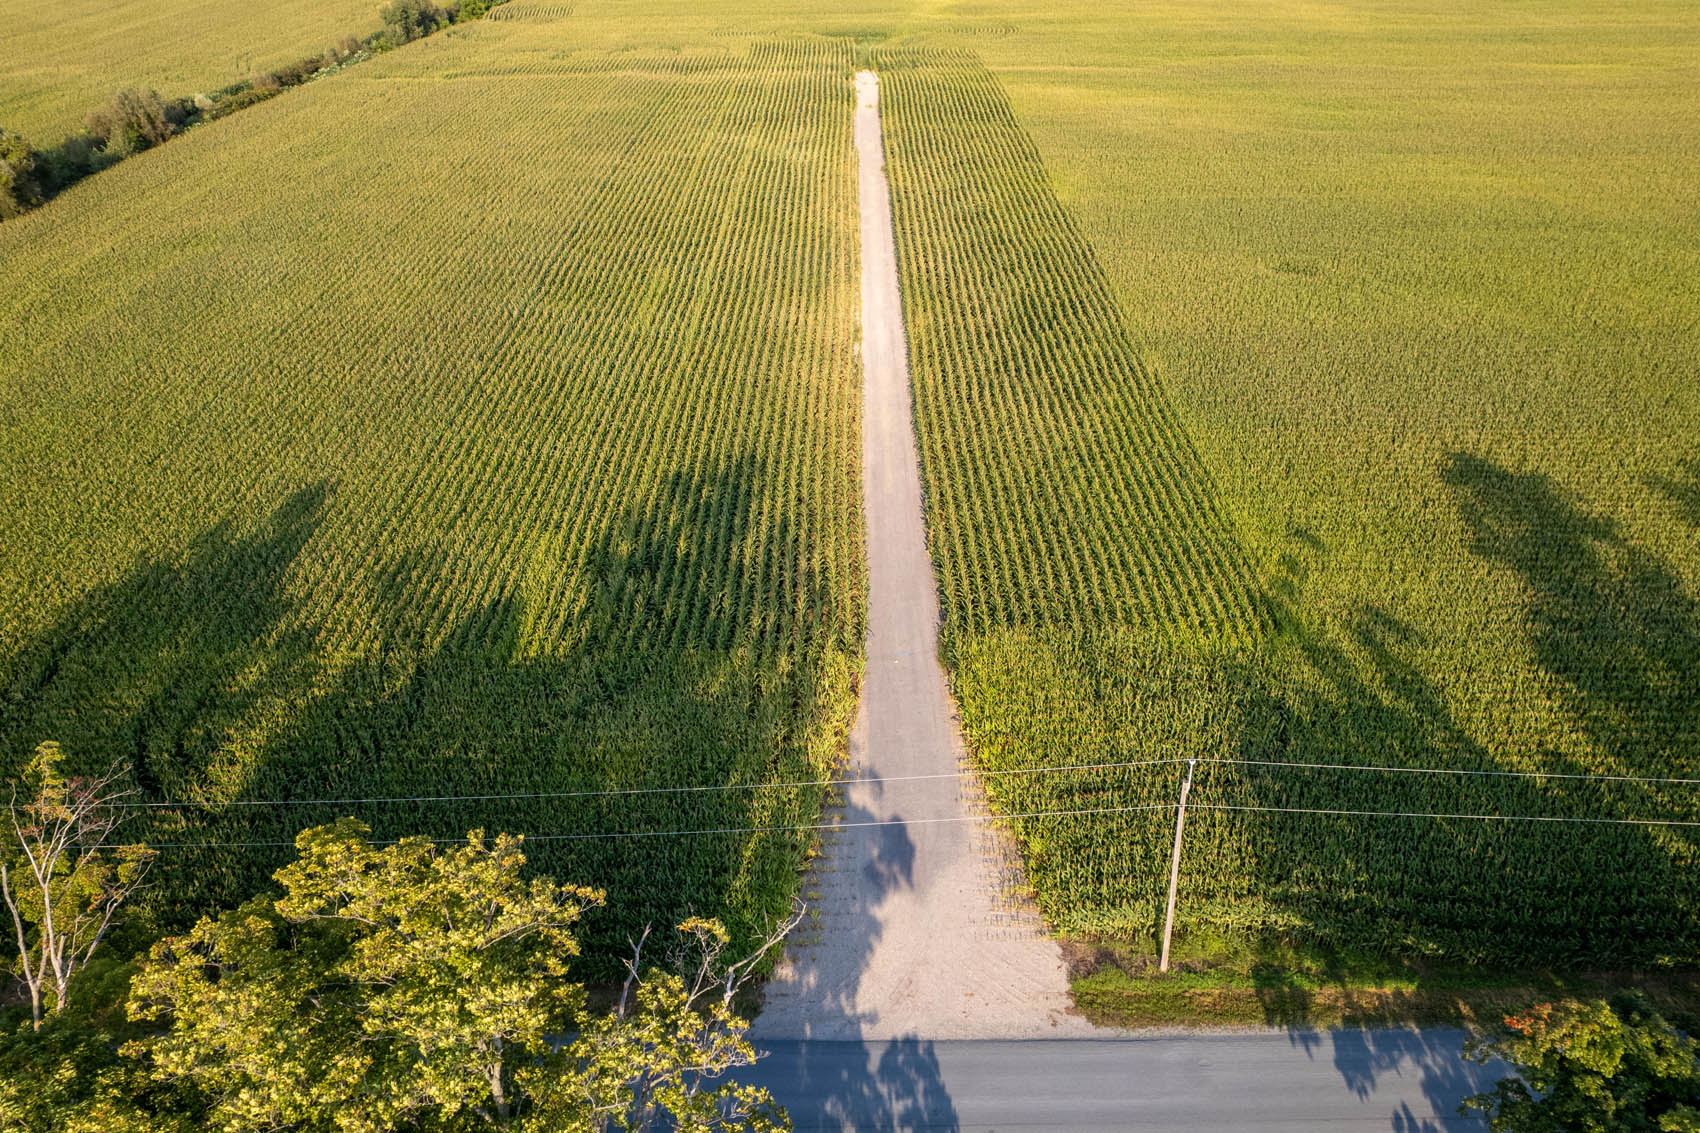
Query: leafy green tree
x=653, y=1061
x=68, y=1077
x=413, y=985
x=1591, y=1067
x=63, y=877
x=20, y=185
x=134, y=120
x=408, y=20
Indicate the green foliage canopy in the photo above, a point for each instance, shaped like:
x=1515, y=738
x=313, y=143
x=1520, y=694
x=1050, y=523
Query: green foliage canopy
x=1591, y=1067
x=416, y=985
x=19, y=187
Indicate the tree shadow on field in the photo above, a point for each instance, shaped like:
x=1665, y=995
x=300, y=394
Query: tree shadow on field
x=1612, y=625
x=161, y=666
x=1683, y=490
x=694, y=647
x=1616, y=641
x=687, y=656
x=1609, y=620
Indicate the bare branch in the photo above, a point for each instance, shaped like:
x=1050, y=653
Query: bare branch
x=64, y=833
x=32, y=976
x=632, y=972
x=740, y=972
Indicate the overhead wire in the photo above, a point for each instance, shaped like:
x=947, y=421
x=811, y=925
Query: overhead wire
x=620, y=834
x=868, y=780
x=612, y=792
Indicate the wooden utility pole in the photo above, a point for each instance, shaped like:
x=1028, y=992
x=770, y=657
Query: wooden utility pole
x=1175, y=868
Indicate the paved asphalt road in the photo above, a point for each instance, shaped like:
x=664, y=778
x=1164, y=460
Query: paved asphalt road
x=1404, y=1081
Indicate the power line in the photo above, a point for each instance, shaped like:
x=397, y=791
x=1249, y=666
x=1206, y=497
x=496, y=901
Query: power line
x=612, y=792
x=614, y=835
x=1422, y=814
x=621, y=835
x=617, y=791
x=1449, y=771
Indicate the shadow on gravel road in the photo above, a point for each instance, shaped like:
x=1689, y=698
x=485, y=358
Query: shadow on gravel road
x=851, y=1084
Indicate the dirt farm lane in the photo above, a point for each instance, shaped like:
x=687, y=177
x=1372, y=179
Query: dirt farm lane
x=918, y=932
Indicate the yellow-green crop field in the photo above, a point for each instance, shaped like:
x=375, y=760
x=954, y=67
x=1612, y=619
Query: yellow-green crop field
x=64, y=59
x=1318, y=383
x=1294, y=382
x=482, y=422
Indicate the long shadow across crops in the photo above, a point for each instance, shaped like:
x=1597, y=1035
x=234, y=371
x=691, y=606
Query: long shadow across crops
x=1682, y=490
x=672, y=666
x=169, y=665
x=142, y=668
x=1611, y=626
x=1610, y=620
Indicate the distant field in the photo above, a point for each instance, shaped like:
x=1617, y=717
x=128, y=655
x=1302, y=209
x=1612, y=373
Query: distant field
x=1318, y=384
x=481, y=421
x=66, y=58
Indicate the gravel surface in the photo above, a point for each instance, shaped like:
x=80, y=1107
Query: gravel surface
x=921, y=930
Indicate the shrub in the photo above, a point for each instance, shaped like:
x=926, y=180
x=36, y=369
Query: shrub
x=298, y=72
x=69, y=162
x=135, y=120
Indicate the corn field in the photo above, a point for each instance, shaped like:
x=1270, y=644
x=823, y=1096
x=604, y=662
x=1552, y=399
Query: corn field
x=492, y=467
x=471, y=439
x=67, y=58
x=1103, y=604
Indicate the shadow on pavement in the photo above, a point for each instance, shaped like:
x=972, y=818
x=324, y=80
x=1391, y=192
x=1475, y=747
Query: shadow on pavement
x=1405, y=1081
x=1369, y=1059
x=879, y=1086
x=847, y=1083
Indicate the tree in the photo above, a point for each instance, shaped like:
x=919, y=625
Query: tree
x=134, y=120
x=408, y=20
x=415, y=985
x=653, y=1061
x=64, y=878
x=68, y=1077
x=1590, y=1067
x=20, y=181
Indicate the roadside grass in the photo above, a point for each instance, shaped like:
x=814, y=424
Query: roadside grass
x=1227, y=981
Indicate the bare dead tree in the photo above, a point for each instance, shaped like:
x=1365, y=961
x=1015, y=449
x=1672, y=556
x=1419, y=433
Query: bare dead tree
x=65, y=876
x=671, y=1073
